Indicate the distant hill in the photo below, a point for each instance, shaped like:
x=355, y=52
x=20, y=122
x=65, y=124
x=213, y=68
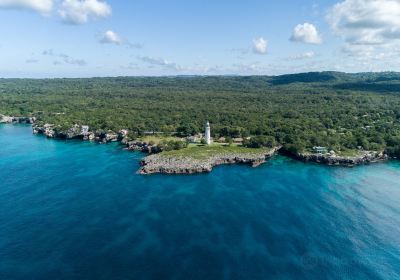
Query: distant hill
x=334, y=77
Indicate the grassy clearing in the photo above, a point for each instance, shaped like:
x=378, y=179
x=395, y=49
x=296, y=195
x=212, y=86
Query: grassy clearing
x=348, y=153
x=205, y=151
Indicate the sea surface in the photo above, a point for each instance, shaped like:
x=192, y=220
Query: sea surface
x=77, y=210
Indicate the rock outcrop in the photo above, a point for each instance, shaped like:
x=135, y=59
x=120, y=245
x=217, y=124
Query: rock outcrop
x=143, y=147
x=10, y=119
x=46, y=129
x=77, y=132
x=160, y=163
x=364, y=157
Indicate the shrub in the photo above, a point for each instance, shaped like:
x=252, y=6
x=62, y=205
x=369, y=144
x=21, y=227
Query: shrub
x=260, y=141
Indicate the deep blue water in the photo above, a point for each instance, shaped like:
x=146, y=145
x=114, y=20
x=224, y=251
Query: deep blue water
x=74, y=210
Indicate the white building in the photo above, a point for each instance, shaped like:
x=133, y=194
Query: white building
x=207, y=133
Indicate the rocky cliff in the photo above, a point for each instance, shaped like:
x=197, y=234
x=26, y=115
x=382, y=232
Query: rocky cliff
x=10, y=119
x=78, y=132
x=160, y=163
x=363, y=157
x=142, y=146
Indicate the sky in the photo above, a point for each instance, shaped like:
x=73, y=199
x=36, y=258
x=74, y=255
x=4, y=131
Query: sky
x=87, y=38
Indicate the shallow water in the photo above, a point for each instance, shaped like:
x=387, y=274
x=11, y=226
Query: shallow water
x=77, y=210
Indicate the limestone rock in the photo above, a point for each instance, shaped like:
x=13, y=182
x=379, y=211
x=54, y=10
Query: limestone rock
x=159, y=163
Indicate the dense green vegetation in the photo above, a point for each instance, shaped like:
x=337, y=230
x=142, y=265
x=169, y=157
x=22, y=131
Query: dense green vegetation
x=260, y=141
x=336, y=110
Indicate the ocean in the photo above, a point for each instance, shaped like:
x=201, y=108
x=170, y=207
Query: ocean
x=78, y=210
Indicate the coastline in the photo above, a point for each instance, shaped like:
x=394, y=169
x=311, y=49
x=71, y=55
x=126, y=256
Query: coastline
x=364, y=157
x=157, y=162
x=165, y=164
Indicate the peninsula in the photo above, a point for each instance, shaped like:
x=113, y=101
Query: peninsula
x=324, y=117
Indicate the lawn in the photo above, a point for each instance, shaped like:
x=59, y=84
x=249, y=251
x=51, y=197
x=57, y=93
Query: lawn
x=205, y=151
x=348, y=153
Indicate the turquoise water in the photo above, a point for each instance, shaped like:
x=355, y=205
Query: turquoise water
x=74, y=210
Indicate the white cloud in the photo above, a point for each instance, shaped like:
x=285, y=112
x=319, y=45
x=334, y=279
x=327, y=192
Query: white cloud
x=306, y=33
x=260, y=45
x=70, y=11
x=160, y=62
x=372, y=53
x=80, y=11
x=366, y=22
x=243, y=68
x=302, y=56
x=110, y=37
x=64, y=57
x=41, y=6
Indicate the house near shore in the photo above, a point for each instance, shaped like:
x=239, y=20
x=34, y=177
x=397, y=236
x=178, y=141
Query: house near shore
x=320, y=150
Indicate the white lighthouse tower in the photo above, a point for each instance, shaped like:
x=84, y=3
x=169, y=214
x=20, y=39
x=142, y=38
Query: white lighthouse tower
x=207, y=133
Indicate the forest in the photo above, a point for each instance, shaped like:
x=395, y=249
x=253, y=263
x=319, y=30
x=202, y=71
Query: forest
x=332, y=109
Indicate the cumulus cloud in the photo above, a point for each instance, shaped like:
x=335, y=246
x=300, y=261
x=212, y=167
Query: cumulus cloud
x=41, y=6
x=64, y=57
x=306, y=33
x=110, y=37
x=70, y=11
x=80, y=11
x=369, y=53
x=260, y=45
x=366, y=22
x=166, y=65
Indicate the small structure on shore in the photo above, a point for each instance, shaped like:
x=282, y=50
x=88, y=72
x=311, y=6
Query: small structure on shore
x=207, y=133
x=320, y=150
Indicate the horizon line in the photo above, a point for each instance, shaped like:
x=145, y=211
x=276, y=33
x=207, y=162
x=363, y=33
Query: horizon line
x=198, y=75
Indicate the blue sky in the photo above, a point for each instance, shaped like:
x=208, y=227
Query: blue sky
x=85, y=38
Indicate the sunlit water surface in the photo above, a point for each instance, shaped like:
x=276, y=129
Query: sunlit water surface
x=77, y=210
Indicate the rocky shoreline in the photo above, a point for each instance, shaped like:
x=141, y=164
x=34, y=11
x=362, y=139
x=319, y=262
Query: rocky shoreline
x=172, y=165
x=160, y=163
x=82, y=132
x=156, y=162
x=79, y=132
x=365, y=157
x=22, y=120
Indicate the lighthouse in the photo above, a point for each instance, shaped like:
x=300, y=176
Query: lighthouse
x=207, y=133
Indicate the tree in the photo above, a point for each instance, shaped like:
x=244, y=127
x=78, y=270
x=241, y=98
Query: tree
x=260, y=141
x=229, y=140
